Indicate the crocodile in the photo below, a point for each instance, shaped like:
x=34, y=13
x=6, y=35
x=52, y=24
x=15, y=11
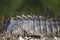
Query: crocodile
x=34, y=25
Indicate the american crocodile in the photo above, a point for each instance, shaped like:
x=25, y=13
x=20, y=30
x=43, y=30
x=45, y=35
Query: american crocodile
x=34, y=25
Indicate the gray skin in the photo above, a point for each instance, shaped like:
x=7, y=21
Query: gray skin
x=37, y=24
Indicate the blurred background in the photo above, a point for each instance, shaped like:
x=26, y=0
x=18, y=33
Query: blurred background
x=36, y=7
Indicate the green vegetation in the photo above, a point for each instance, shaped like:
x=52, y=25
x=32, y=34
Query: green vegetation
x=37, y=7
